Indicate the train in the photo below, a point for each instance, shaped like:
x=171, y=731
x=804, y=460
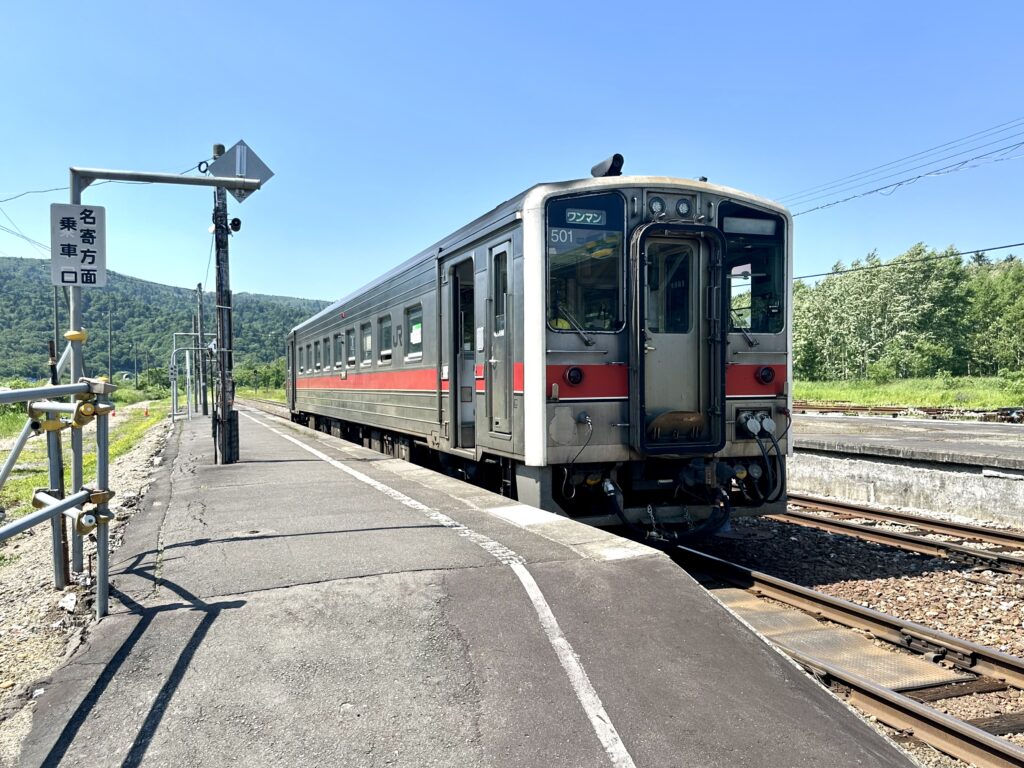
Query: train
x=616, y=349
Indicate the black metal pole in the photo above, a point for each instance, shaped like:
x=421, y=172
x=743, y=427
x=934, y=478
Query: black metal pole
x=227, y=435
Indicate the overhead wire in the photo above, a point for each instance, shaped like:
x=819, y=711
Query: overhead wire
x=936, y=257
x=16, y=232
x=951, y=168
x=1001, y=128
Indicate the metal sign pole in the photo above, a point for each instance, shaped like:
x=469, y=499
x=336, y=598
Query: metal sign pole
x=202, y=340
x=76, y=335
x=226, y=425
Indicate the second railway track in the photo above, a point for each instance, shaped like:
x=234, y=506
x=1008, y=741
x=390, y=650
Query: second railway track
x=911, y=542
x=978, y=743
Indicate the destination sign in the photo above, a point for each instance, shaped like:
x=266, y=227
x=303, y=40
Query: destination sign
x=584, y=216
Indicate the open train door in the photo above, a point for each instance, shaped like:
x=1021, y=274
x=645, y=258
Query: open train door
x=677, y=349
x=292, y=365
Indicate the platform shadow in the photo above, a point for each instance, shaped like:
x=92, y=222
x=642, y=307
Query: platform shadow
x=158, y=708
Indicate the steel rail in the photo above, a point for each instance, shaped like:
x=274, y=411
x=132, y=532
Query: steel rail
x=943, y=731
x=904, y=541
x=963, y=654
x=1007, y=539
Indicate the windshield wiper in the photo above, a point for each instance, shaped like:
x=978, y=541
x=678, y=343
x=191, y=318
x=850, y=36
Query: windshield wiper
x=751, y=341
x=575, y=325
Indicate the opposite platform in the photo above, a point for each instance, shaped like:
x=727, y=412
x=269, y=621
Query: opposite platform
x=320, y=604
x=971, y=469
x=971, y=443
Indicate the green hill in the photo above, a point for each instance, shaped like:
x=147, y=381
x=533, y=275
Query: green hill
x=141, y=313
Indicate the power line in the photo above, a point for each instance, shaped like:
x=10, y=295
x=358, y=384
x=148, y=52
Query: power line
x=38, y=244
x=107, y=181
x=838, y=188
x=952, y=168
x=936, y=257
x=1001, y=128
x=209, y=260
x=23, y=236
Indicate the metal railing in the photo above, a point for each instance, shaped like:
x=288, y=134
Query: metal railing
x=89, y=401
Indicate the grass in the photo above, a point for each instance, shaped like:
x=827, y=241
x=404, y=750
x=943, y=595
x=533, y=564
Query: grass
x=11, y=423
x=267, y=394
x=968, y=392
x=126, y=429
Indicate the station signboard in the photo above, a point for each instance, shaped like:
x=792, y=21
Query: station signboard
x=78, y=245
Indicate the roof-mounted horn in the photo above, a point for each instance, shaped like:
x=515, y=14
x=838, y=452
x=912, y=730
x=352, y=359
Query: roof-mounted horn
x=610, y=167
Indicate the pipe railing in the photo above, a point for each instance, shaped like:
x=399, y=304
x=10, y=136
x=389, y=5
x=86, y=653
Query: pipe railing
x=45, y=416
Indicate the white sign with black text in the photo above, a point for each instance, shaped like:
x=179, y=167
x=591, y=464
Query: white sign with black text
x=78, y=245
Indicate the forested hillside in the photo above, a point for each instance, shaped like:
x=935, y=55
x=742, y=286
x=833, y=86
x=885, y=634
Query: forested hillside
x=143, y=316
x=925, y=313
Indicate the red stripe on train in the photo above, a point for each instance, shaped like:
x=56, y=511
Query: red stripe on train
x=743, y=379
x=599, y=381
x=423, y=379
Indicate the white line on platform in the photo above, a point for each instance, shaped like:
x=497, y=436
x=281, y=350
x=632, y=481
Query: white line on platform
x=570, y=661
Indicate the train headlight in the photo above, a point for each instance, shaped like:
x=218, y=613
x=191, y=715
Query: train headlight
x=683, y=207
x=655, y=205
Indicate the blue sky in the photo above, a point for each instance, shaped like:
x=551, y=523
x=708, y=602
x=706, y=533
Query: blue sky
x=389, y=125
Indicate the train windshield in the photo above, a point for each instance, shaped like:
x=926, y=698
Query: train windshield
x=585, y=237
x=755, y=267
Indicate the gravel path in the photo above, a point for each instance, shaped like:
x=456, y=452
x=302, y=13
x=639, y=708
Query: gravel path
x=37, y=634
x=978, y=605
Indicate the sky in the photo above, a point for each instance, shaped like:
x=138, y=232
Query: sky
x=389, y=125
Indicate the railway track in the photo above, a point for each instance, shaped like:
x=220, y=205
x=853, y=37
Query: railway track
x=275, y=407
x=977, y=743
x=911, y=542
x=1005, y=415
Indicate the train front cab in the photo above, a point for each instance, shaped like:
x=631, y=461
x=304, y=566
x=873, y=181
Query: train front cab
x=665, y=393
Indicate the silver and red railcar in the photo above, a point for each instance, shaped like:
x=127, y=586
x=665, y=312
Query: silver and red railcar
x=617, y=349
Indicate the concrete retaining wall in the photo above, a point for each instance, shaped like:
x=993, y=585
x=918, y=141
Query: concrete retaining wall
x=983, y=494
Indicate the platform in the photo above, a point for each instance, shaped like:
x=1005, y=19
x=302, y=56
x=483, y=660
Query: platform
x=971, y=469
x=966, y=443
x=318, y=604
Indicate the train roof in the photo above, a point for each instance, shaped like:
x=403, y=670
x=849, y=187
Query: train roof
x=535, y=195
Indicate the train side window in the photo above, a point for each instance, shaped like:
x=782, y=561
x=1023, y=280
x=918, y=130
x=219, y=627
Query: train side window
x=339, y=358
x=316, y=355
x=302, y=359
x=327, y=352
x=500, y=292
x=309, y=357
x=384, y=339
x=365, y=344
x=414, y=333
x=350, y=346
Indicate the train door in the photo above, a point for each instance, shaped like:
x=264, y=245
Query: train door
x=292, y=365
x=462, y=372
x=677, y=353
x=499, y=343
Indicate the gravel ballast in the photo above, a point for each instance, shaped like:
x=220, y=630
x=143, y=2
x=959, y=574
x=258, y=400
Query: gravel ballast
x=981, y=606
